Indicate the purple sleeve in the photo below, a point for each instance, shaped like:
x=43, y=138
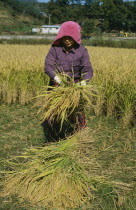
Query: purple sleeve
x=50, y=62
x=86, y=66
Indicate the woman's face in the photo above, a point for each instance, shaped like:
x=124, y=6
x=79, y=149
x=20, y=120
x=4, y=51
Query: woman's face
x=68, y=42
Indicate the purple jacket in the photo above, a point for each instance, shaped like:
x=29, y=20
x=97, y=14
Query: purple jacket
x=74, y=63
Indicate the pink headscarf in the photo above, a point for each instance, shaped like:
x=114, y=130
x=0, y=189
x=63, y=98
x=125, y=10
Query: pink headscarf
x=69, y=28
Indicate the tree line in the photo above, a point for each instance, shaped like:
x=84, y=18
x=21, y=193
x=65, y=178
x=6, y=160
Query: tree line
x=103, y=15
x=24, y=7
x=92, y=15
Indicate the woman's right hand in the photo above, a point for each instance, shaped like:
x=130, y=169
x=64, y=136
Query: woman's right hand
x=57, y=80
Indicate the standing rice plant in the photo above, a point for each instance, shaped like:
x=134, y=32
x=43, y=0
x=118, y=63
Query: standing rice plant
x=21, y=86
x=111, y=95
x=114, y=76
x=2, y=93
x=30, y=84
x=127, y=97
x=22, y=72
x=113, y=70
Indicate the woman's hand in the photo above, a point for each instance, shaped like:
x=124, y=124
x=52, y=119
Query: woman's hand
x=57, y=80
x=82, y=82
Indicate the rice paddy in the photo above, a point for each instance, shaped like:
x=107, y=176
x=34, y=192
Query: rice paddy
x=22, y=78
x=72, y=166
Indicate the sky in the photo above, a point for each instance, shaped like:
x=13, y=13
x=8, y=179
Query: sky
x=43, y=1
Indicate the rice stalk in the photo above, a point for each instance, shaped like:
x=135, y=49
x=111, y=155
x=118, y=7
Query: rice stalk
x=114, y=75
x=50, y=176
x=58, y=103
x=62, y=175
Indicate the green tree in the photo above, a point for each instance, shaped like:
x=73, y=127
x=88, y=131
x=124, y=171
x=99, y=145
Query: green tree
x=109, y=14
x=29, y=7
x=91, y=9
x=88, y=27
x=130, y=21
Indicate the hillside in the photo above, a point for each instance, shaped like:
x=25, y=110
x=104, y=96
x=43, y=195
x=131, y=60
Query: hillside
x=11, y=22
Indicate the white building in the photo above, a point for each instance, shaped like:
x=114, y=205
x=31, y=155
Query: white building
x=50, y=29
x=36, y=30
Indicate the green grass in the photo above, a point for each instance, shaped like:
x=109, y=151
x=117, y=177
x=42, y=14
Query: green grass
x=112, y=147
x=18, y=129
x=103, y=42
x=13, y=22
x=130, y=44
x=26, y=41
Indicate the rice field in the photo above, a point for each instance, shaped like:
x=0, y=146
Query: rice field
x=22, y=78
x=99, y=164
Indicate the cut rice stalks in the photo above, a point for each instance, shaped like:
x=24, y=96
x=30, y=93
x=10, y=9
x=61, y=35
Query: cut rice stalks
x=58, y=103
x=62, y=175
x=52, y=176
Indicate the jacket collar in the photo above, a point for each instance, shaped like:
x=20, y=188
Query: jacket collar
x=71, y=50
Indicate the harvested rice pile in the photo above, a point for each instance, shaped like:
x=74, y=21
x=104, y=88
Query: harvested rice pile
x=52, y=176
x=62, y=175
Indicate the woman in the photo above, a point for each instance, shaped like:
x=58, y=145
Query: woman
x=67, y=56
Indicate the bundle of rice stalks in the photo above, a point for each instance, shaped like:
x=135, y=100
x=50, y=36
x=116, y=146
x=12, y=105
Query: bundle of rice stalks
x=58, y=103
x=62, y=175
x=52, y=176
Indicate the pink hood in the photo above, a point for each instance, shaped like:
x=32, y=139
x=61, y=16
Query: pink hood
x=69, y=28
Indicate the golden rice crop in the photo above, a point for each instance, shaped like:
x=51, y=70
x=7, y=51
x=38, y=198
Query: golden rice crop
x=21, y=71
x=115, y=71
x=51, y=176
x=58, y=103
x=61, y=175
x=21, y=77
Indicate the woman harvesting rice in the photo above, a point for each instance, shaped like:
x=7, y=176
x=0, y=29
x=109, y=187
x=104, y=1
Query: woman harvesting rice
x=69, y=57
